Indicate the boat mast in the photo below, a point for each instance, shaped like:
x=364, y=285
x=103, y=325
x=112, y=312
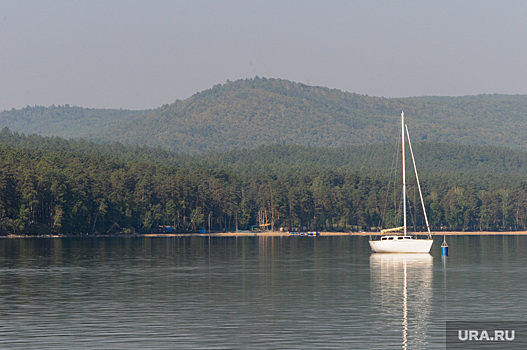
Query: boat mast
x=404, y=173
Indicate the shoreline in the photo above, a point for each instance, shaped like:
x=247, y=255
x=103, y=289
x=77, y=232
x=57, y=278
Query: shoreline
x=272, y=234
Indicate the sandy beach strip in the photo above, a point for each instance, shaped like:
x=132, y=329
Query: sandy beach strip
x=324, y=233
x=277, y=234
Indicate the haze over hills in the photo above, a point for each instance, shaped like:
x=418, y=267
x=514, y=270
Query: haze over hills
x=253, y=112
x=64, y=121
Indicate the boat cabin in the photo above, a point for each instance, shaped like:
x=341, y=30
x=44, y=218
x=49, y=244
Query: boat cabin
x=396, y=238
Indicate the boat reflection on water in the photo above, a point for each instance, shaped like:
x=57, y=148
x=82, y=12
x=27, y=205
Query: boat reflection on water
x=402, y=292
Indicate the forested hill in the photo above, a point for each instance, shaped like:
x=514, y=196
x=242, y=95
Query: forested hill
x=64, y=121
x=253, y=112
x=248, y=113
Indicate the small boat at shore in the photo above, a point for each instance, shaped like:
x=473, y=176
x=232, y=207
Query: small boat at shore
x=401, y=242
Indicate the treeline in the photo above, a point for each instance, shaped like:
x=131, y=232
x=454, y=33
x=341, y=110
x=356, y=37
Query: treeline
x=433, y=158
x=71, y=193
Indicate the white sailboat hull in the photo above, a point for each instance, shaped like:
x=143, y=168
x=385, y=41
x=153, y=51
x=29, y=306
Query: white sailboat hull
x=402, y=246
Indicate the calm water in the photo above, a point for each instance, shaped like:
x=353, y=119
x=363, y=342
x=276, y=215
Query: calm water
x=251, y=292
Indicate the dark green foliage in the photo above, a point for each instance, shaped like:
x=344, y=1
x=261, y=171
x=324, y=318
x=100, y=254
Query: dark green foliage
x=49, y=184
x=437, y=158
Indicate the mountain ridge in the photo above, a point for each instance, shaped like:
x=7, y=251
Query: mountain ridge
x=252, y=112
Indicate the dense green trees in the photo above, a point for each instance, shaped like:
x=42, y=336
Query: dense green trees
x=67, y=193
x=53, y=185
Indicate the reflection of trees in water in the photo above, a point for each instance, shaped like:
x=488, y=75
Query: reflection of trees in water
x=402, y=296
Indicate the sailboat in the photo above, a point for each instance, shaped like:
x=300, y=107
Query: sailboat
x=397, y=240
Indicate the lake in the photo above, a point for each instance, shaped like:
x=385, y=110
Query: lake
x=251, y=292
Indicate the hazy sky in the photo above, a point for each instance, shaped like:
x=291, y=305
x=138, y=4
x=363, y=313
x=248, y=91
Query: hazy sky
x=143, y=54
